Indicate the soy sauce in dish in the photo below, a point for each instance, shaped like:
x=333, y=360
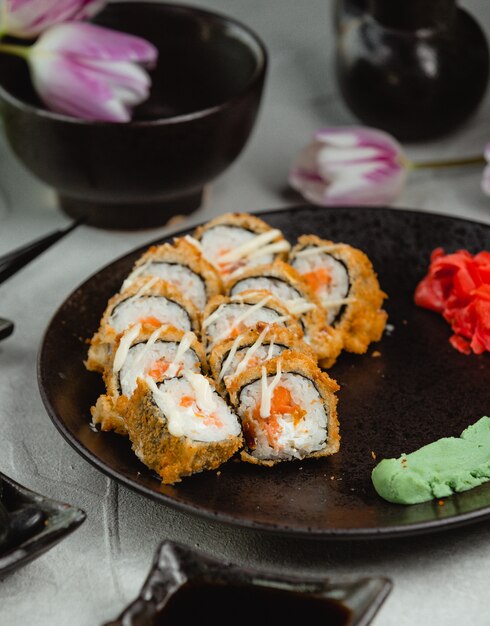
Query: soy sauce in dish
x=242, y=605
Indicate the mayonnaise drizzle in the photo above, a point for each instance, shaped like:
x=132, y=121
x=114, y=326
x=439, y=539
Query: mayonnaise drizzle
x=243, y=363
x=214, y=316
x=282, y=318
x=219, y=311
x=135, y=273
x=144, y=289
x=273, y=248
x=197, y=244
x=250, y=246
x=268, y=390
x=194, y=242
x=241, y=297
x=169, y=408
x=241, y=318
x=299, y=306
x=339, y=302
x=184, y=345
x=316, y=249
x=122, y=350
x=229, y=358
x=271, y=350
x=151, y=340
x=205, y=399
x=249, y=311
x=251, y=351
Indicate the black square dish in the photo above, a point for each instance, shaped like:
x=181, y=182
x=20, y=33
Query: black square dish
x=30, y=524
x=183, y=581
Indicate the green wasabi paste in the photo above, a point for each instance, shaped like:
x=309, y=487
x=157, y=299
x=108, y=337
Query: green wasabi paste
x=441, y=468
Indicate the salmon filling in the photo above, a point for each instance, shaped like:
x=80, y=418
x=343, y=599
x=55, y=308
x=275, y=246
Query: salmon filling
x=282, y=405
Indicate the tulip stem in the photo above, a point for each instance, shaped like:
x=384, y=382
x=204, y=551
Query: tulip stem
x=20, y=51
x=474, y=160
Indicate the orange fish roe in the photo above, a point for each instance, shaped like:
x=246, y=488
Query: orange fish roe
x=318, y=278
x=209, y=419
x=237, y=330
x=158, y=369
x=282, y=403
x=150, y=321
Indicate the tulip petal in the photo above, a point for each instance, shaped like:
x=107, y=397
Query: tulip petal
x=350, y=166
x=88, y=8
x=71, y=88
x=96, y=42
x=29, y=18
x=91, y=72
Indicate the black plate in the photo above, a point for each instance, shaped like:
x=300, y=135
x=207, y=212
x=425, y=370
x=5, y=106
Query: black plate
x=418, y=390
x=36, y=524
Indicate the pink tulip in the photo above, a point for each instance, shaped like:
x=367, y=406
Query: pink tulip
x=29, y=18
x=91, y=72
x=343, y=166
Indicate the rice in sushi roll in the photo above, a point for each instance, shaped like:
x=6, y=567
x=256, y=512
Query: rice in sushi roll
x=284, y=282
x=344, y=280
x=288, y=410
x=228, y=317
x=182, y=265
x=235, y=241
x=231, y=357
x=149, y=301
x=181, y=426
x=143, y=351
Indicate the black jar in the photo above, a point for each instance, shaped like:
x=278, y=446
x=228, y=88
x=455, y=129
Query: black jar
x=415, y=68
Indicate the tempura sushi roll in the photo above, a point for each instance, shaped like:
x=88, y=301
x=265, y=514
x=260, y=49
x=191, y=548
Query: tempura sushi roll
x=284, y=282
x=226, y=318
x=231, y=357
x=182, y=265
x=288, y=410
x=344, y=280
x=149, y=301
x=181, y=426
x=235, y=241
x=143, y=351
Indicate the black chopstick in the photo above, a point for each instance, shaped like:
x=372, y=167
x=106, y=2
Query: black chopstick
x=15, y=260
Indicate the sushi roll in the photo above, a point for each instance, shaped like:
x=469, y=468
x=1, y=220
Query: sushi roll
x=235, y=241
x=149, y=301
x=286, y=284
x=288, y=410
x=182, y=265
x=228, y=317
x=231, y=357
x=181, y=426
x=139, y=352
x=344, y=280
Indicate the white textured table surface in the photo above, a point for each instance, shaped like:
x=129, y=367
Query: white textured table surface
x=90, y=576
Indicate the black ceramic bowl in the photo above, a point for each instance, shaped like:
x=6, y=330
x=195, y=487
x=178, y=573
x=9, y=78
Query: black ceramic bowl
x=206, y=91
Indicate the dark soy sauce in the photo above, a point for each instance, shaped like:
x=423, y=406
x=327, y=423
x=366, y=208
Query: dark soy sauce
x=243, y=605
